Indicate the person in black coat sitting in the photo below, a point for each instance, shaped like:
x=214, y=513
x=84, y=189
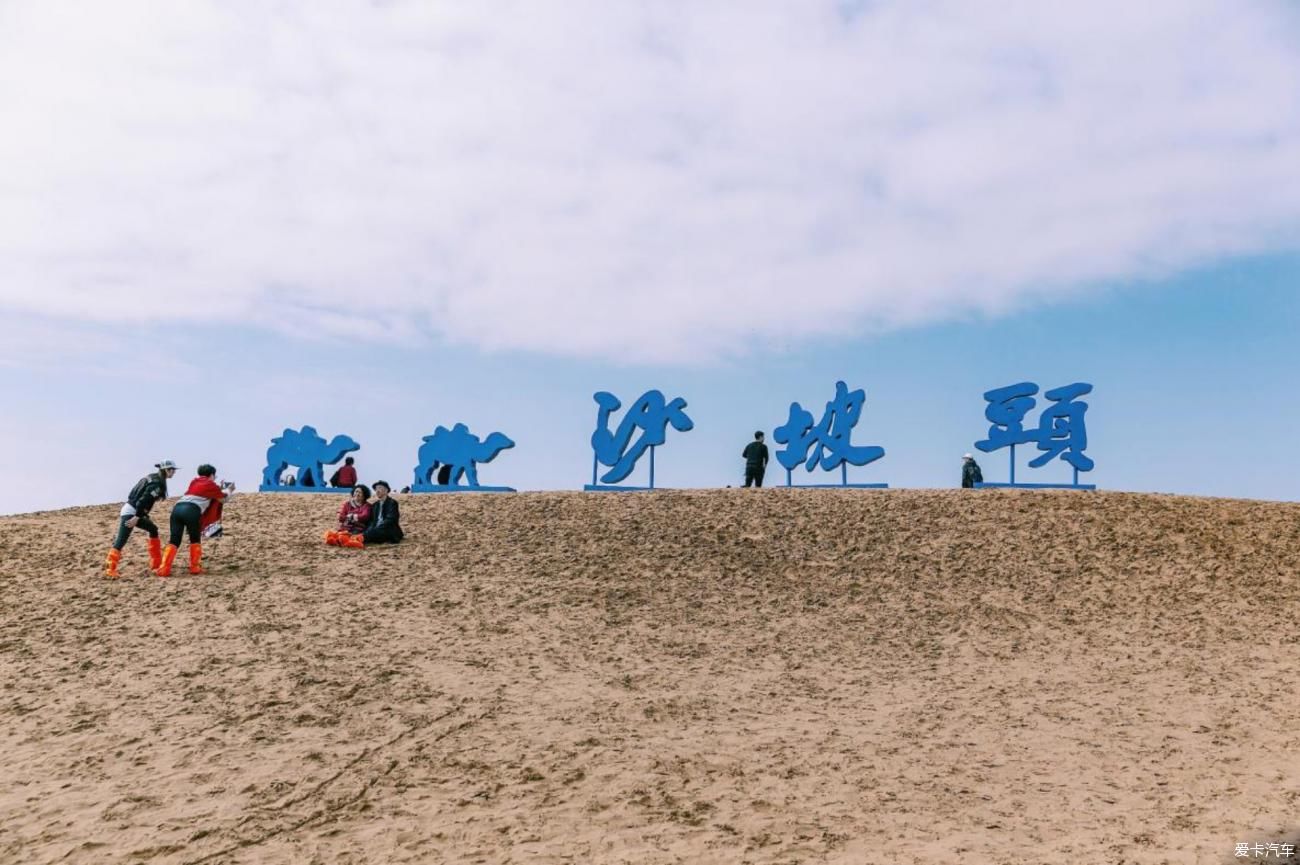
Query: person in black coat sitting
x=385, y=521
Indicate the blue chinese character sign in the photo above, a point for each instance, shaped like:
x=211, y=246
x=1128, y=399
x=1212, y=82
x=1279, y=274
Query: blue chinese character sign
x=305, y=449
x=455, y=453
x=651, y=415
x=1060, y=432
x=825, y=443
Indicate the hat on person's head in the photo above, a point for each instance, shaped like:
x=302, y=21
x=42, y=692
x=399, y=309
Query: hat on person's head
x=165, y=464
x=967, y=457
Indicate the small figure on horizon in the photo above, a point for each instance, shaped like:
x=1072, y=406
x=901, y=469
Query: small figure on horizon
x=290, y=480
x=970, y=472
x=345, y=475
x=755, y=454
x=149, y=490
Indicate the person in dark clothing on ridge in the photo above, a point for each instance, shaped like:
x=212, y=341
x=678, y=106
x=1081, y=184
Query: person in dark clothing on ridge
x=755, y=454
x=970, y=472
x=147, y=492
x=345, y=476
x=385, y=521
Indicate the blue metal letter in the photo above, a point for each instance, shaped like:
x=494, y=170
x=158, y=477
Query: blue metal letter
x=828, y=440
x=1060, y=432
x=651, y=414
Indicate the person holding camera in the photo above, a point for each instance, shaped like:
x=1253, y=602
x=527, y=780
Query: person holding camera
x=196, y=512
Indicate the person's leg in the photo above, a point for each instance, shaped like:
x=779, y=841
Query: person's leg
x=376, y=535
x=758, y=476
x=155, y=543
x=176, y=525
x=115, y=551
x=192, y=528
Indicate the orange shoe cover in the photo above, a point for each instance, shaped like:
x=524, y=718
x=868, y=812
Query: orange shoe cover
x=155, y=553
x=332, y=539
x=165, y=568
x=111, y=562
x=196, y=556
x=356, y=542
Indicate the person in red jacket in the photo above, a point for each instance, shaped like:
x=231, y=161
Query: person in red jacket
x=198, y=509
x=346, y=476
x=353, y=516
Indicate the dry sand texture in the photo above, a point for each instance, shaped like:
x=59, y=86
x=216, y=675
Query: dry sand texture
x=724, y=676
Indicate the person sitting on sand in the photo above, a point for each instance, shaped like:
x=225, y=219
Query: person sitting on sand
x=353, y=516
x=385, y=526
x=346, y=475
x=149, y=490
x=199, y=508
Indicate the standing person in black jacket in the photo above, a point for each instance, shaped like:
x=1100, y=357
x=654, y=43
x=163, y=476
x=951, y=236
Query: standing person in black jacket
x=148, y=491
x=755, y=454
x=385, y=521
x=970, y=472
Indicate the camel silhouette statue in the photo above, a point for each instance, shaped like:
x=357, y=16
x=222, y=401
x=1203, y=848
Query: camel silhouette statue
x=458, y=453
x=310, y=453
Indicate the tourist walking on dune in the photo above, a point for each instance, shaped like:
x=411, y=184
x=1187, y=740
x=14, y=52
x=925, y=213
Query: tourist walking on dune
x=385, y=521
x=354, y=516
x=970, y=472
x=198, y=509
x=755, y=454
x=148, y=491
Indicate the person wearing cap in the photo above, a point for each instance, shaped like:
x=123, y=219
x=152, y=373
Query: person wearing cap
x=755, y=454
x=148, y=491
x=385, y=525
x=970, y=472
x=198, y=509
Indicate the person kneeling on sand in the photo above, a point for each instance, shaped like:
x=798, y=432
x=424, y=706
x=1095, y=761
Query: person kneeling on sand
x=149, y=490
x=353, y=516
x=385, y=526
x=199, y=508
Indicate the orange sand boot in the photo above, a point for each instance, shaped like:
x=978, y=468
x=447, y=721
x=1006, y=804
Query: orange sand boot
x=196, y=556
x=356, y=542
x=111, y=562
x=164, y=569
x=332, y=539
x=155, y=553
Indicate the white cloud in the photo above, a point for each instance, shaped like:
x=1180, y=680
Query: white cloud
x=640, y=181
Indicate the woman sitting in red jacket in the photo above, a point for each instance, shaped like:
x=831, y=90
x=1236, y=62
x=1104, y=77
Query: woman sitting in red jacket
x=353, y=516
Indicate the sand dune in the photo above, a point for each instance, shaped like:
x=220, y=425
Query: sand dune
x=704, y=677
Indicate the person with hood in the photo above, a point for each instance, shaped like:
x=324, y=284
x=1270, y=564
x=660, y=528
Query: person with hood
x=755, y=454
x=970, y=472
x=148, y=491
x=198, y=509
x=384, y=527
x=354, y=516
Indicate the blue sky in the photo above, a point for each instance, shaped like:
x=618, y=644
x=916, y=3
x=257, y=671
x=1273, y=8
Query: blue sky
x=1194, y=394
x=219, y=220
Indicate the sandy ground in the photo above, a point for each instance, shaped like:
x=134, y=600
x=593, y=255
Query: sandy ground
x=725, y=676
